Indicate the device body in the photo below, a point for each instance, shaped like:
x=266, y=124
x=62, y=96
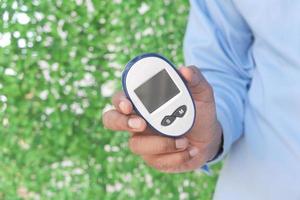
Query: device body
x=159, y=94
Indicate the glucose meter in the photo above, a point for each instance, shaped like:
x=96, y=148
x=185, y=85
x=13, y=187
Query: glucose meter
x=159, y=94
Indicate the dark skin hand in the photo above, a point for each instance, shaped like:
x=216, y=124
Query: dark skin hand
x=168, y=154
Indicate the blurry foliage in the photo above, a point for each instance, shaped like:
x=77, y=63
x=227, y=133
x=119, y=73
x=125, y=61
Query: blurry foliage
x=60, y=61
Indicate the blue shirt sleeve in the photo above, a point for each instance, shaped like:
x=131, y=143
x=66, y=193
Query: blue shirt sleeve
x=218, y=41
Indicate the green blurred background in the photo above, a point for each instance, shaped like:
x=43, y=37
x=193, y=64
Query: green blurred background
x=60, y=62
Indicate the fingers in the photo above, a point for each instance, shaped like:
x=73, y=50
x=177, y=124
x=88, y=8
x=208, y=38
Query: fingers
x=199, y=87
x=171, y=162
x=122, y=119
x=117, y=121
x=121, y=103
x=163, y=153
x=155, y=144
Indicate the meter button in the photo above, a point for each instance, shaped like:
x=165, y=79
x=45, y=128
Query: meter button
x=167, y=120
x=179, y=112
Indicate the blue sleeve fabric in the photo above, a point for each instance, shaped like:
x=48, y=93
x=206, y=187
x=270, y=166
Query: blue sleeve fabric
x=218, y=41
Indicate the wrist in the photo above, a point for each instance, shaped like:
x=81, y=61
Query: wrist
x=216, y=145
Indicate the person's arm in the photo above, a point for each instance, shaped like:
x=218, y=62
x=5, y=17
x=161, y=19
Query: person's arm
x=218, y=41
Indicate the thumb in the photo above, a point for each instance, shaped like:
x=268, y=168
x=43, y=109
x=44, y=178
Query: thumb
x=200, y=89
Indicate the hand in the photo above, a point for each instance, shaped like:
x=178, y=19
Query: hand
x=167, y=154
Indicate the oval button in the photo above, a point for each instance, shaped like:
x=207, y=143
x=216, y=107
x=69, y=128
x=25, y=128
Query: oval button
x=179, y=112
x=167, y=120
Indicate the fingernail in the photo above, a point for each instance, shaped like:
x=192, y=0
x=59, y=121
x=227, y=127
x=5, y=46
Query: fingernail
x=181, y=143
x=193, y=151
x=122, y=106
x=135, y=123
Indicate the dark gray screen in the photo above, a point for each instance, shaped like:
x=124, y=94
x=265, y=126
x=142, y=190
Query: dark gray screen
x=157, y=90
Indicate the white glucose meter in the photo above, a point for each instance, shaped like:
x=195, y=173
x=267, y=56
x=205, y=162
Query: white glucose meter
x=159, y=94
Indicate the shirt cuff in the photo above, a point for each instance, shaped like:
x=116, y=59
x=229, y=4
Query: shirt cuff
x=205, y=169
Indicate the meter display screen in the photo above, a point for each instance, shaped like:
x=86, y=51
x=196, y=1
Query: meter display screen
x=157, y=91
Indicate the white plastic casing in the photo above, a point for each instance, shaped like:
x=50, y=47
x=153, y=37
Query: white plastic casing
x=142, y=69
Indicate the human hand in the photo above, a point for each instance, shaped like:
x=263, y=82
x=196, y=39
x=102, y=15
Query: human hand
x=167, y=154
